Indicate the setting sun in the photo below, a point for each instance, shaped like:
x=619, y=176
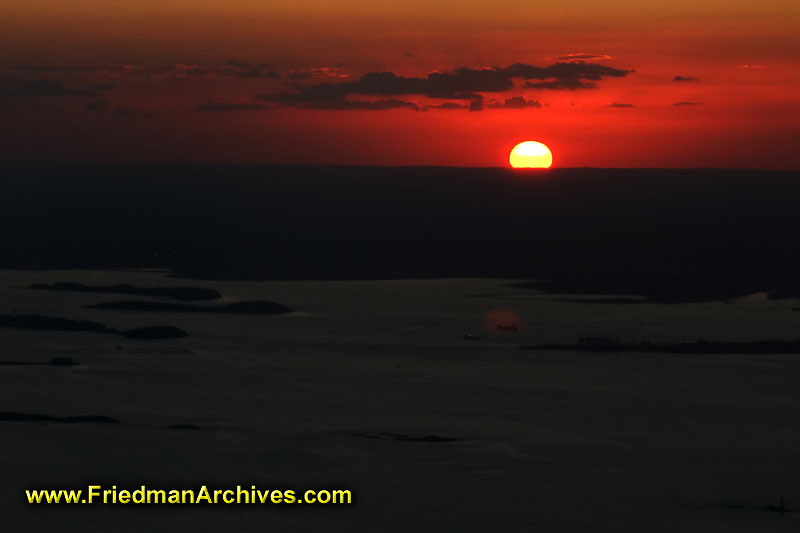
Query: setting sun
x=530, y=154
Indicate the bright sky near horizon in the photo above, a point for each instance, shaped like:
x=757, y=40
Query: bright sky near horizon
x=680, y=83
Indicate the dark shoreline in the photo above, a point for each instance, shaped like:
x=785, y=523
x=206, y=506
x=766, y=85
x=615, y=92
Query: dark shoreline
x=37, y=322
x=255, y=307
x=606, y=344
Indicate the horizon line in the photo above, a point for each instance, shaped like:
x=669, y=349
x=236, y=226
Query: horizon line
x=365, y=166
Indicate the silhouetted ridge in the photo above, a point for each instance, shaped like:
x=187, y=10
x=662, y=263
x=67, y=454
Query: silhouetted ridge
x=53, y=323
x=250, y=308
x=405, y=437
x=55, y=361
x=649, y=289
x=610, y=344
x=42, y=322
x=154, y=332
x=8, y=416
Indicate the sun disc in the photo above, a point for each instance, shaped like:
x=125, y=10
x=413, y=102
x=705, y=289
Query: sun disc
x=530, y=154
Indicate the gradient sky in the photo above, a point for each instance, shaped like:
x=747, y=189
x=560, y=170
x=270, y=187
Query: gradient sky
x=611, y=83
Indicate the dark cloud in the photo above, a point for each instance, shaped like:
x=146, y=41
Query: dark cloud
x=175, y=71
x=569, y=76
x=684, y=78
x=460, y=84
x=39, y=88
x=247, y=106
x=96, y=105
x=255, y=73
x=448, y=105
x=231, y=69
x=516, y=102
x=618, y=104
x=688, y=103
x=319, y=72
x=236, y=68
x=561, y=85
x=59, y=68
x=184, y=71
x=339, y=102
x=583, y=57
x=476, y=104
x=378, y=105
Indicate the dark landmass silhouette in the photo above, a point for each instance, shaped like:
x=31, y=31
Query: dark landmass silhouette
x=255, y=307
x=649, y=290
x=53, y=323
x=609, y=344
x=607, y=300
x=405, y=437
x=9, y=416
x=155, y=332
x=781, y=507
x=661, y=290
x=668, y=234
x=55, y=361
x=177, y=293
x=186, y=427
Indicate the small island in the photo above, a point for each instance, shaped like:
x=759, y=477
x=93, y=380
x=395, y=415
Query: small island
x=54, y=323
x=10, y=416
x=404, y=437
x=631, y=289
x=154, y=333
x=261, y=307
x=609, y=344
x=55, y=361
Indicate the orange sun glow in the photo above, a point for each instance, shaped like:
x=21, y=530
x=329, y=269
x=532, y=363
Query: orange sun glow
x=530, y=154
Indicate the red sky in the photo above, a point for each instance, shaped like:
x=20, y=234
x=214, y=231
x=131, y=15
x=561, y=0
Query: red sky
x=298, y=81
